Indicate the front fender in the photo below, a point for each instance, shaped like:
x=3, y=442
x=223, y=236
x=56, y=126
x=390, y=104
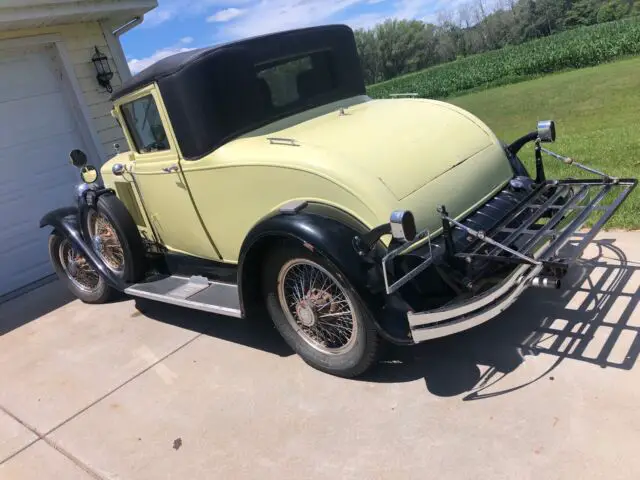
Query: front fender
x=59, y=213
x=65, y=222
x=329, y=233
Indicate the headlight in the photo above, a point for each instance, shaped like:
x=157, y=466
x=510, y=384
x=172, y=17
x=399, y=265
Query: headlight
x=80, y=189
x=403, y=225
x=547, y=131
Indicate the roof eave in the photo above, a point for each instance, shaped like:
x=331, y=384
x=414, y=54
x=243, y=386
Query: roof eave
x=16, y=14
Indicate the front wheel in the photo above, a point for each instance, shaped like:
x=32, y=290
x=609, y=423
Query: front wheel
x=74, y=270
x=318, y=313
x=115, y=238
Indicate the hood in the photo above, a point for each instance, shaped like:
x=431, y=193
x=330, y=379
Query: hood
x=404, y=143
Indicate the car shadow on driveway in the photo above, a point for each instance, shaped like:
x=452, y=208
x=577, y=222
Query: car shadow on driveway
x=258, y=333
x=32, y=305
x=589, y=320
x=37, y=303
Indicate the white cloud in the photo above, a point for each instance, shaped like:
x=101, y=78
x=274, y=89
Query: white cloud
x=423, y=9
x=138, y=64
x=225, y=15
x=186, y=40
x=263, y=16
x=268, y=16
x=366, y=20
x=158, y=16
x=170, y=9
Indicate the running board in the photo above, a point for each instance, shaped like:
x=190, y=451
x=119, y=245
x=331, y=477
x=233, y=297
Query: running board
x=194, y=292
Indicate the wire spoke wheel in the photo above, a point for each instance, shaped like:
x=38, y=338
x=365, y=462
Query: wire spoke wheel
x=317, y=306
x=81, y=274
x=105, y=241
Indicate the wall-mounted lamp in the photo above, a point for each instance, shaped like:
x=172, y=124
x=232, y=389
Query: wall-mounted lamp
x=105, y=74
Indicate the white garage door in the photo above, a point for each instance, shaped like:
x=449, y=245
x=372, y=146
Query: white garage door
x=37, y=132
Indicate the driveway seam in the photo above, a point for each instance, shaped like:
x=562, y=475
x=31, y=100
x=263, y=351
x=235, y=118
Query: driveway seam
x=141, y=372
x=60, y=449
x=25, y=425
x=57, y=448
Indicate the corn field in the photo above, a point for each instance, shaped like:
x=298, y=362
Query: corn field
x=578, y=48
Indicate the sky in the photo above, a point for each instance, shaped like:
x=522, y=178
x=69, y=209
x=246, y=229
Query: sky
x=180, y=25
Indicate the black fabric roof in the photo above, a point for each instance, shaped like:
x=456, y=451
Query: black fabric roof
x=280, y=41
x=161, y=68
x=213, y=94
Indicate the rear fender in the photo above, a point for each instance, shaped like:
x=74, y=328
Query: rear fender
x=65, y=222
x=329, y=233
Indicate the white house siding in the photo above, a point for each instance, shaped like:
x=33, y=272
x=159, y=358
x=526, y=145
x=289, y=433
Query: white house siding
x=79, y=41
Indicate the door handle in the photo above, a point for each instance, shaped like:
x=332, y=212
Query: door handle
x=171, y=169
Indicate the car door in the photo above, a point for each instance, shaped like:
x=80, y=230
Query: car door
x=160, y=179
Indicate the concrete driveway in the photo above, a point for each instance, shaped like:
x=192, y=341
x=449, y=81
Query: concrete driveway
x=546, y=391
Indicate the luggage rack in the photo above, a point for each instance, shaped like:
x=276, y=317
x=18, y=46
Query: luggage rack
x=533, y=248
x=564, y=206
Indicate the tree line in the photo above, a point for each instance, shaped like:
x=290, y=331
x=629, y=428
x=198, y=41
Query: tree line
x=398, y=47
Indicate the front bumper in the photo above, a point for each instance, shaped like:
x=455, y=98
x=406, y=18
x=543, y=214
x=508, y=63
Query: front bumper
x=531, y=237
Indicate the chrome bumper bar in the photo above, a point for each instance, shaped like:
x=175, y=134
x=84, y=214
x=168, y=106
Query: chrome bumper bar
x=537, y=245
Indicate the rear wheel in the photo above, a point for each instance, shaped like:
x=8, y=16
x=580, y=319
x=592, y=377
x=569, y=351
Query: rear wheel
x=73, y=269
x=318, y=313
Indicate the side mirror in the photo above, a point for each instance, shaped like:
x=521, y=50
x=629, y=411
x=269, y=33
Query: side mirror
x=89, y=174
x=547, y=131
x=78, y=158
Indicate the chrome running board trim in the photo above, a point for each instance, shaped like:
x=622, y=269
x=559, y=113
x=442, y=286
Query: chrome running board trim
x=197, y=293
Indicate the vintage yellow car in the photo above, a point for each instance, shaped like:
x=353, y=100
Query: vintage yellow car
x=260, y=177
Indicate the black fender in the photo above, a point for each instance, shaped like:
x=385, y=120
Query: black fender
x=65, y=222
x=330, y=233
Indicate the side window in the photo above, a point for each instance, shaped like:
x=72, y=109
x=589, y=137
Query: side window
x=145, y=126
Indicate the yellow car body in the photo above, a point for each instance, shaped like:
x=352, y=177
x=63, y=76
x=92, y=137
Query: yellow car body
x=365, y=157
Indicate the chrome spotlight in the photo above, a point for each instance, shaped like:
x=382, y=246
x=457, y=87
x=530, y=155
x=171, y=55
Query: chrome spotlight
x=547, y=131
x=403, y=225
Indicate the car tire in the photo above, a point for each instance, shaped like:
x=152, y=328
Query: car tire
x=95, y=291
x=344, y=345
x=114, y=214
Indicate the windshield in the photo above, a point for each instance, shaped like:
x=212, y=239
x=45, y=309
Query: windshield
x=145, y=125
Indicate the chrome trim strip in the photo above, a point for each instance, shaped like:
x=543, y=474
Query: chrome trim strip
x=283, y=141
x=444, y=313
x=423, y=334
x=205, y=307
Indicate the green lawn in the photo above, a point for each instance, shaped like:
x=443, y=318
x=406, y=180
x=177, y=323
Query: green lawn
x=597, y=114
